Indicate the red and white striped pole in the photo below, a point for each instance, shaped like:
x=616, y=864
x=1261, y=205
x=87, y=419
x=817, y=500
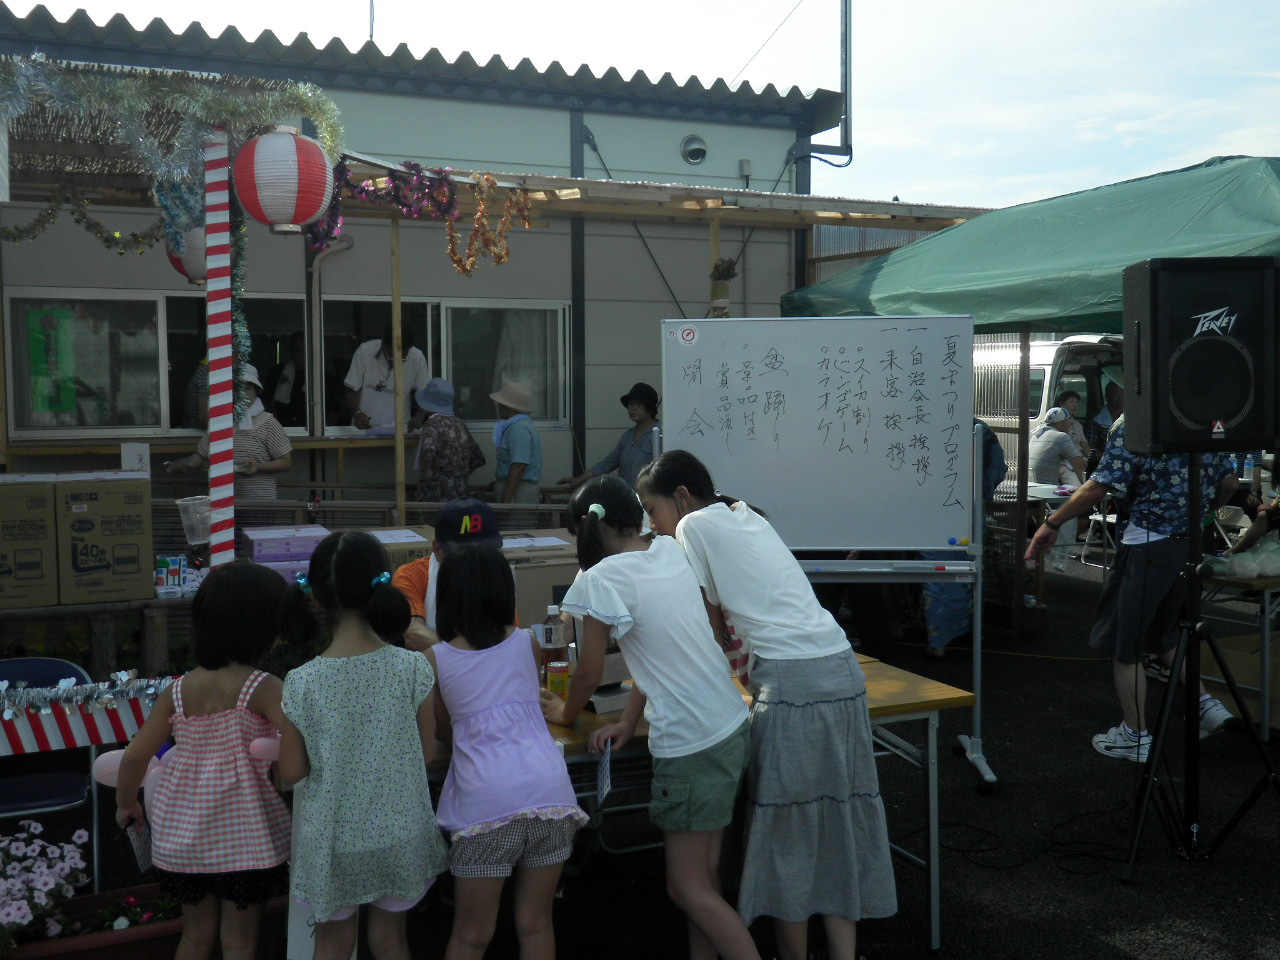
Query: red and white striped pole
x=217, y=233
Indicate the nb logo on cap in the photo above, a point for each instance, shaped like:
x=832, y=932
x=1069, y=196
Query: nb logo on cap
x=471, y=523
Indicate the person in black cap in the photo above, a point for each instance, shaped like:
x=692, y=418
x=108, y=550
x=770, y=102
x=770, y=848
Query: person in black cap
x=635, y=447
x=460, y=521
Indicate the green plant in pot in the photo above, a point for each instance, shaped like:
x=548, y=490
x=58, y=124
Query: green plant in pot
x=722, y=271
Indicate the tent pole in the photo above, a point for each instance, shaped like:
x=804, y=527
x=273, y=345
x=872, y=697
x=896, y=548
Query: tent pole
x=398, y=350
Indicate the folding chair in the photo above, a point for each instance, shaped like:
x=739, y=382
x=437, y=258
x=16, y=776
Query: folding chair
x=28, y=794
x=1230, y=522
x=1101, y=533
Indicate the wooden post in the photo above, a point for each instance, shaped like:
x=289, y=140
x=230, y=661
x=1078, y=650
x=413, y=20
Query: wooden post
x=398, y=366
x=155, y=641
x=217, y=241
x=102, y=645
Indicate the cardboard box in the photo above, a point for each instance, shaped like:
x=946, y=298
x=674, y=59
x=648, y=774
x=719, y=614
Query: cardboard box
x=544, y=563
x=1243, y=655
x=402, y=544
x=289, y=569
x=105, y=552
x=539, y=583
x=553, y=544
x=282, y=543
x=28, y=541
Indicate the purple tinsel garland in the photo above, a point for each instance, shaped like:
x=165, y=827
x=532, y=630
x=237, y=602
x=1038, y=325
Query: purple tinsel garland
x=414, y=191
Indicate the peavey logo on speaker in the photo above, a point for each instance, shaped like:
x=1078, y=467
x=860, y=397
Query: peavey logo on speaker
x=1215, y=321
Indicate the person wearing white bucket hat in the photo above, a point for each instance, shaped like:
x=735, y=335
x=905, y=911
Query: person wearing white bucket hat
x=261, y=447
x=1052, y=449
x=519, y=449
x=447, y=452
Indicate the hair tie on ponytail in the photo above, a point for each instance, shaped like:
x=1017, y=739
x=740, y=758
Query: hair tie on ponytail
x=383, y=577
x=596, y=510
x=303, y=583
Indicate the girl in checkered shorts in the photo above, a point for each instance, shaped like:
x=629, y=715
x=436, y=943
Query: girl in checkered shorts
x=507, y=802
x=220, y=832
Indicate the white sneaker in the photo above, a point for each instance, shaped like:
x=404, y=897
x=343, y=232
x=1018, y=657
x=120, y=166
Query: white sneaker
x=1213, y=716
x=1117, y=743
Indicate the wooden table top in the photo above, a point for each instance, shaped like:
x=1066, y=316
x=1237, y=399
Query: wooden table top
x=1245, y=583
x=891, y=691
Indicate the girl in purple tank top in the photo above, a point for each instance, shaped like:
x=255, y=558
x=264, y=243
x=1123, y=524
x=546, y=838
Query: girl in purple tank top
x=507, y=803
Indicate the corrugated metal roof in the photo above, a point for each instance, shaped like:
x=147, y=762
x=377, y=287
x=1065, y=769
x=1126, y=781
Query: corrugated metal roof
x=368, y=68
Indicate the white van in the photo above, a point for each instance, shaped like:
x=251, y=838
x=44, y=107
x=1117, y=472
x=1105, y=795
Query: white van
x=1085, y=363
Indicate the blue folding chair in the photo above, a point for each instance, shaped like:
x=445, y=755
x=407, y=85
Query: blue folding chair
x=28, y=794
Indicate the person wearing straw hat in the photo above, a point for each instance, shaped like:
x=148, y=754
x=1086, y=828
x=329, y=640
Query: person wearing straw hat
x=519, y=448
x=635, y=447
x=261, y=447
x=447, y=452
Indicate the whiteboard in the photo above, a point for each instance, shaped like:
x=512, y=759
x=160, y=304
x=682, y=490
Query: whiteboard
x=849, y=432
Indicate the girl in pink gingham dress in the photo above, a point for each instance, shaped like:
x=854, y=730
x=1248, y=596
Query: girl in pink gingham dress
x=220, y=832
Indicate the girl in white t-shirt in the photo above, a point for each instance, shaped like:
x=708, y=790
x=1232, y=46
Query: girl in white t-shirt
x=643, y=594
x=816, y=835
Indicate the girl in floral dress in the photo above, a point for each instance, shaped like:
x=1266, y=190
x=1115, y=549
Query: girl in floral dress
x=358, y=737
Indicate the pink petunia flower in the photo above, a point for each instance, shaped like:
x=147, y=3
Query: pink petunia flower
x=43, y=881
x=21, y=912
x=147, y=917
x=80, y=836
x=132, y=901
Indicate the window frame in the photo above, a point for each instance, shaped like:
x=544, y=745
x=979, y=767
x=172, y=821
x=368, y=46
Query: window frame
x=72, y=295
x=438, y=349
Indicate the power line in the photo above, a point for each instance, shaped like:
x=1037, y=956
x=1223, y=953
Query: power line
x=766, y=42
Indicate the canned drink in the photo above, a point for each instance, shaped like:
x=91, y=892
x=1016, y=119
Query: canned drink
x=558, y=678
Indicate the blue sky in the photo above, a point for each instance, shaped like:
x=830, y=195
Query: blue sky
x=986, y=103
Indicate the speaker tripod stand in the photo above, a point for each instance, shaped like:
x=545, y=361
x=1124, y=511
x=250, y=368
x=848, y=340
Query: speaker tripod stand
x=1181, y=822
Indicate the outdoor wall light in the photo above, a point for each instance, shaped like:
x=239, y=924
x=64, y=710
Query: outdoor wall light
x=694, y=149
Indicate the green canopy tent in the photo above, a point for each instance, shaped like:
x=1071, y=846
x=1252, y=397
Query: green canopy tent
x=1055, y=265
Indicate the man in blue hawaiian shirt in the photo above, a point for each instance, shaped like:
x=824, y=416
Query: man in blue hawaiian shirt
x=1144, y=588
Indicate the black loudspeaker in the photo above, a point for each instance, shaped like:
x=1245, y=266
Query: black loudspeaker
x=1200, y=355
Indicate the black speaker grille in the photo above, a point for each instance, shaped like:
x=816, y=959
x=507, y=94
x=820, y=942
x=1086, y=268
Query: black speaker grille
x=1211, y=379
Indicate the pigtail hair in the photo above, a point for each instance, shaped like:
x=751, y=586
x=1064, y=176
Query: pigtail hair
x=387, y=611
x=296, y=619
x=590, y=543
x=607, y=500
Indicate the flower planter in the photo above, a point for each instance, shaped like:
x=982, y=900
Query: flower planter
x=146, y=941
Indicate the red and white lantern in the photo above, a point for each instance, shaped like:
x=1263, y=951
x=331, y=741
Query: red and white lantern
x=283, y=179
x=191, y=263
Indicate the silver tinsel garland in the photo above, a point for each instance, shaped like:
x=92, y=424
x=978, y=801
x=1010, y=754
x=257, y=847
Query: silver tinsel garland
x=126, y=98
x=70, y=696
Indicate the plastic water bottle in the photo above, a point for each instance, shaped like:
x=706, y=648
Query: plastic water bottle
x=1248, y=466
x=555, y=647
